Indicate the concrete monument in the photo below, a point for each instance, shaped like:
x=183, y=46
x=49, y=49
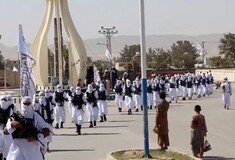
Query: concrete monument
x=59, y=10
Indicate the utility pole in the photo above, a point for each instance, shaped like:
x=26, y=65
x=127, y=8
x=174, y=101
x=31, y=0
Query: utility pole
x=108, y=33
x=144, y=78
x=203, y=57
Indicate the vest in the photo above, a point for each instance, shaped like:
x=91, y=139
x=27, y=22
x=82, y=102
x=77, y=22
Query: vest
x=77, y=101
x=128, y=91
x=183, y=83
x=102, y=95
x=91, y=97
x=28, y=128
x=149, y=89
x=59, y=97
x=118, y=89
x=5, y=114
x=156, y=87
x=172, y=85
x=137, y=90
x=189, y=84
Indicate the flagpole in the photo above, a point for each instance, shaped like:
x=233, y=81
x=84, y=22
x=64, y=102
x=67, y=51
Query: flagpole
x=5, y=74
x=144, y=79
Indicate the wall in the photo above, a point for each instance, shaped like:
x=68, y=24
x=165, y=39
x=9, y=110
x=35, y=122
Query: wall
x=12, y=78
x=219, y=74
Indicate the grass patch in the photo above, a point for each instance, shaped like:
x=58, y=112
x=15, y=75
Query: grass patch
x=156, y=154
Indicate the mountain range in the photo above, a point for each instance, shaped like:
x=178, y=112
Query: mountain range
x=118, y=42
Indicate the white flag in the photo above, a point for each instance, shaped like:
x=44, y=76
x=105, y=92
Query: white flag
x=96, y=74
x=109, y=56
x=27, y=82
x=15, y=69
x=200, y=50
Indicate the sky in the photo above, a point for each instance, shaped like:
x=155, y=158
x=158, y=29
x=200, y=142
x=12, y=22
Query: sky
x=187, y=17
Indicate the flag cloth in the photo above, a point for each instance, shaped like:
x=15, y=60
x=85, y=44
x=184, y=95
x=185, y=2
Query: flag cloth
x=27, y=82
x=96, y=74
x=109, y=56
x=200, y=50
x=15, y=69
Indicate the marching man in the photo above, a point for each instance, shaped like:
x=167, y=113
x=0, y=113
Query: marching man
x=128, y=91
x=150, y=94
x=172, y=90
x=118, y=94
x=27, y=132
x=227, y=92
x=137, y=95
x=77, y=104
x=102, y=103
x=59, y=96
x=91, y=106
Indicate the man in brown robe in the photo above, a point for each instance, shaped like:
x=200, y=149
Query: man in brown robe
x=162, y=122
x=199, y=131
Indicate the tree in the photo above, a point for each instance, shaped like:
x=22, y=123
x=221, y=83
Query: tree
x=227, y=48
x=50, y=62
x=183, y=54
x=128, y=52
x=101, y=65
x=161, y=59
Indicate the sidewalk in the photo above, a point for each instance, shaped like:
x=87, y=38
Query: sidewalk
x=123, y=131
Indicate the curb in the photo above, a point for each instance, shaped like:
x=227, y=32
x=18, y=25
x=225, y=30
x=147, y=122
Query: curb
x=110, y=157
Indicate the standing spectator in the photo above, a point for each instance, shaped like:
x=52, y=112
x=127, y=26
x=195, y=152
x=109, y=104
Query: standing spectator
x=227, y=92
x=198, y=132
x=162, y=122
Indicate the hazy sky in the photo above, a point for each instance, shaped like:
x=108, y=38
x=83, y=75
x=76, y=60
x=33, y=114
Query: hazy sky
x=189, y=17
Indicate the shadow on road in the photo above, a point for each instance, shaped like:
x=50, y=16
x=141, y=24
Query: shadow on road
x=65, y=135
x=122, y=121
x=216, y=158
x=98, y=134
x=70, y=150
x=111, y=126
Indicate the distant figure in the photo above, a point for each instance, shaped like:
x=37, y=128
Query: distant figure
x=226, y=93
x=199, y=130
x=79, y=83
x=162, y=122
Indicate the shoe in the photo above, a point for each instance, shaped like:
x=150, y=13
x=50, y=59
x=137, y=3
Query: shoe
x=79, y=129
x=119, y=109
x=204, y=95
x=94, y=123
x=62, y=125
x=105, y=118
x=136, y=110
x=169, y=101
x=101, y=119
x=91, y=124
x=141, y=108
x=151, y=107
x=183, y=98
x=57, y=126
x=199, y=96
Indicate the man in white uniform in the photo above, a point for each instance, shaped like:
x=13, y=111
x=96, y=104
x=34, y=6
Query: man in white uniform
x=29, y=131
x=78, y=103
x=60, y=97
x=7, y=108
x=102, y=103
x=227, y=92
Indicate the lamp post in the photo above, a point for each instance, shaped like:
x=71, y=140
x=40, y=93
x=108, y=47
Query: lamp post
x=5, y=74
x=144, y=79
x=108, y=32
x=203, y=57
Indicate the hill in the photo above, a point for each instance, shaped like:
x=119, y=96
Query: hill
x=118, y=42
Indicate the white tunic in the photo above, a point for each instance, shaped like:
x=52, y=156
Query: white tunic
x=21, y=149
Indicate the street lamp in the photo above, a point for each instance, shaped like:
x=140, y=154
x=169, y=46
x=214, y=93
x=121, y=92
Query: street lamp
x=108, y=32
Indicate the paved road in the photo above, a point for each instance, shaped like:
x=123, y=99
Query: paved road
x=124, y=131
